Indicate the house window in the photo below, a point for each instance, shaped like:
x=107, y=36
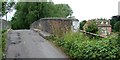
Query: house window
x=106, y=22
x=102, y=22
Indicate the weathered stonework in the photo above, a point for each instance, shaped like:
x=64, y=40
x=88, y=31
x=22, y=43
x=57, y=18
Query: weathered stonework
x=4, y=24
x=56, y=26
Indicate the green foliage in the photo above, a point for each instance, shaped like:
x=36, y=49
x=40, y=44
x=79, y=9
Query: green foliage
x=117, y=26
x=118, y=38
x=92, y=27
x=6, y=7
x=82, y=24
x=28, y=12
x=0, y=54
x=3, y=43
x=79, y=46
x=114, y=20
x=63, y=10
x=3, y=40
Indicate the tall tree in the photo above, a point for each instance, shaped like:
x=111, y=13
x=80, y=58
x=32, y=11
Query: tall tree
x=28, y=12
x=113, y=20
x=6, y=7
x=117, y=26
x=91, y=27
x=82, y=24
x=63, y=10
x=117, y=29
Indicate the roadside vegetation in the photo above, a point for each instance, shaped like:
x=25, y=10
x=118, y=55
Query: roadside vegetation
x=75, y=45
x=79, y=46
x=3, y=43
x=114, y=21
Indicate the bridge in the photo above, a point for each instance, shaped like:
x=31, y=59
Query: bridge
x=31, y=44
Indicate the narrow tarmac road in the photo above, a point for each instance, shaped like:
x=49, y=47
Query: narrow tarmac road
x=29, y=44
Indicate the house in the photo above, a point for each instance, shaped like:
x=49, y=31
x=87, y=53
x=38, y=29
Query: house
x=104, y=26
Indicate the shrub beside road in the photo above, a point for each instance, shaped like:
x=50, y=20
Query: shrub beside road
x=3, y=43
x=80, y=46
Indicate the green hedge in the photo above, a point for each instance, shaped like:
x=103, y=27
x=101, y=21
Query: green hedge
x=79, y=46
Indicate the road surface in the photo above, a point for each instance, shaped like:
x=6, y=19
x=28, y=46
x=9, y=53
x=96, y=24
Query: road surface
x=29, y=44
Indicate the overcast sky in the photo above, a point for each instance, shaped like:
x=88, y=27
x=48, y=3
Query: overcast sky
x=89, y=9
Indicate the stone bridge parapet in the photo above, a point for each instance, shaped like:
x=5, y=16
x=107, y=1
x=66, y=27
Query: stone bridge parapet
x=56, y=26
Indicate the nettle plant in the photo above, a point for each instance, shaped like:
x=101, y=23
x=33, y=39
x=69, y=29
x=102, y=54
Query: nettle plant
x=79, y=46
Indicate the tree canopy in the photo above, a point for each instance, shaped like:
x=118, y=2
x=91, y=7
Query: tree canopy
x=117, y=26
x=91, y=27
x=28, y=12
x=6, y=7
x=114, y=20
x=82, y=24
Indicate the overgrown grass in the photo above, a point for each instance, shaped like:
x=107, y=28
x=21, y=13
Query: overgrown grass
x=0, y=53
x=79, y=46
x=3, y=42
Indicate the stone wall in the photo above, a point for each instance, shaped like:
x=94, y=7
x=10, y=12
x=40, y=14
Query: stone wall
x=56, y=26
x=4, y=24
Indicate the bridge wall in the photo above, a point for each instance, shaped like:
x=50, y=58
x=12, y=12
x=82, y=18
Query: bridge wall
x=56, y=26
x=4, y=25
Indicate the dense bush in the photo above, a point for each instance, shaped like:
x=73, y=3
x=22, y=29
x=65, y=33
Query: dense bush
x=79, y=46
x=91, y=26
x=118, y=38
x=3, y=31
x=3, y=40
x=117, y=26
x=2, y=43
x=113, y=21
x=82, y=24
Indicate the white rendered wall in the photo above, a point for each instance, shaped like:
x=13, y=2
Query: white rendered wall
x=75, y=26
